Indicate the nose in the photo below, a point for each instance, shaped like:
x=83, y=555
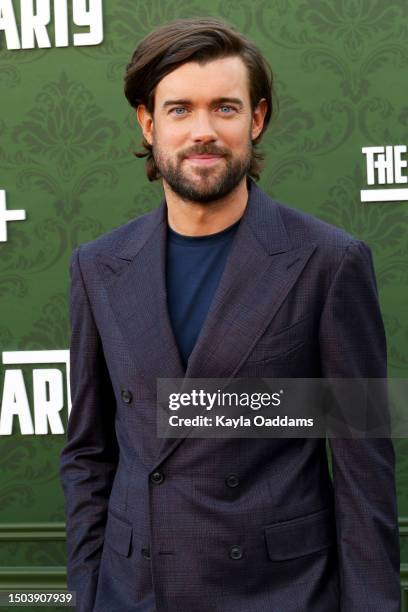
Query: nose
x=202, y=129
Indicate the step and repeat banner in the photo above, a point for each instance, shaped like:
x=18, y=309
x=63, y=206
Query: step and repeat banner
x=337, y=148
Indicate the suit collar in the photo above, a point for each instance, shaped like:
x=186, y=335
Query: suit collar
x=263, y=218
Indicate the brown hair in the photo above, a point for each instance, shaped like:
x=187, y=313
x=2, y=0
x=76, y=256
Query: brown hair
x=199, y=40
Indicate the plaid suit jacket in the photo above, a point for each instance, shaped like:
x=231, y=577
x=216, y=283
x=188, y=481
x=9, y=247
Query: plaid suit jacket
x=225, y=525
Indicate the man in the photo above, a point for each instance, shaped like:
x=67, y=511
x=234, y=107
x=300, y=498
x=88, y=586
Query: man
x=219, y=281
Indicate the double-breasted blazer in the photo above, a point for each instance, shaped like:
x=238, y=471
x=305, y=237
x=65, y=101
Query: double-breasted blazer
x=234, y=524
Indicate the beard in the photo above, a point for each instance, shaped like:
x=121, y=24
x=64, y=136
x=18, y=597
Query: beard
x=203, y=184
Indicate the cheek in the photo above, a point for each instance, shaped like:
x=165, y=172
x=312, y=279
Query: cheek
x=170, y=136
x=237, y=138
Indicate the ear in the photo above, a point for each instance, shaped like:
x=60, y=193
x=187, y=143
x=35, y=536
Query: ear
x=258, y=118
x=145, y=120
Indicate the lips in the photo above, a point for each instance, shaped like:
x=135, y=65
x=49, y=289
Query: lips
x=204, y=160
x=203, y=156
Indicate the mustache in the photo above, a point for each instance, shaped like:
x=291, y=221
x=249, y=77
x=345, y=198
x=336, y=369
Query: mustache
x=205, y=150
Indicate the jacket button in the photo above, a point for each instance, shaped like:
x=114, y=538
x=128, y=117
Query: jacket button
x=146, y=553
x=126, y=396
x=232, y=480
x=236, y=552
x=157, y=477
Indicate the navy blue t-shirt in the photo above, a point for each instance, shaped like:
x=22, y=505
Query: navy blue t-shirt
x=194, y=265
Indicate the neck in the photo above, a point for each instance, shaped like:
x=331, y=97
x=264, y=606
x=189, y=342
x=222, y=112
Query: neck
x=195, y=219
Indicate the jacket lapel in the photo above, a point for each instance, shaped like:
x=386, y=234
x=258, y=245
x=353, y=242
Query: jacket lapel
x=136, y=286
x=260, y=270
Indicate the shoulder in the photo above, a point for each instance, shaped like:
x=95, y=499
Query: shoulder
x=335, y=246
x=114, y=241
x=303, y=227
x=331, y=243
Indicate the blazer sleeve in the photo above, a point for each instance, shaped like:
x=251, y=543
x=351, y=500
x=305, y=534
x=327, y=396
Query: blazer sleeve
x=89, y=458
x=353, y=345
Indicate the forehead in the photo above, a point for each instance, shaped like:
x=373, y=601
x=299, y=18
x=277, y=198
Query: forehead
x=223, y=77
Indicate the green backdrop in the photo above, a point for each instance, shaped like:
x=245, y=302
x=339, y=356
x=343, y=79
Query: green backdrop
x=66, y=141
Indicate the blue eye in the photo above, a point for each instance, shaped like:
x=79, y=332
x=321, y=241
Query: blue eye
x=178, y=108
x=226, y=106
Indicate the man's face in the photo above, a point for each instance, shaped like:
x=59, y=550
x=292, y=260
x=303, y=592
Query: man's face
x=202, y=128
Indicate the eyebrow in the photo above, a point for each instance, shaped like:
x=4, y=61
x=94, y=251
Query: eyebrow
x=222, y=100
